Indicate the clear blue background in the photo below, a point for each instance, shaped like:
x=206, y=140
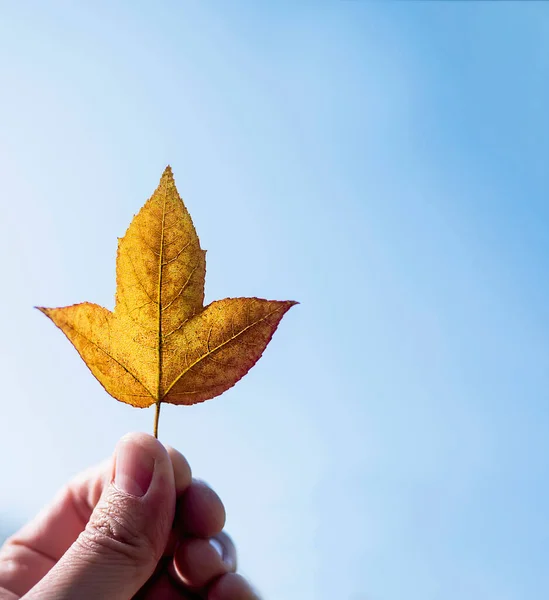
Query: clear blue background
x=387, y=165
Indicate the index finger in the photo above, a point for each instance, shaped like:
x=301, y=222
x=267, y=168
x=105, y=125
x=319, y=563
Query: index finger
x=181, y=470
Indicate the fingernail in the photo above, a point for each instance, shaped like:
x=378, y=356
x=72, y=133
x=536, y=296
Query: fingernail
x=216, y=545
x=223, y=553
x=134, y=468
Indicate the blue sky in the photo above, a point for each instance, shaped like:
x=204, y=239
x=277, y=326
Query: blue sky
x=383, y=163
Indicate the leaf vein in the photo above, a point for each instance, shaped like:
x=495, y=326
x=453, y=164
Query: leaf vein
x=171, y=260
x=183, y=288
x=228, y=341
x=96, y=345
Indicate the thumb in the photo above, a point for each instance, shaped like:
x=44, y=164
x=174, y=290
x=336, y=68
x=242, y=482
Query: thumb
x=127, y=532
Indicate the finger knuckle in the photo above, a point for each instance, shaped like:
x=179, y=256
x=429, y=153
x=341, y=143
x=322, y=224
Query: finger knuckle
x=117, y=533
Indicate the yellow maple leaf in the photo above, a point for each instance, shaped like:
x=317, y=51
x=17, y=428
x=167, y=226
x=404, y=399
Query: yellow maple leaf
x=160, y=344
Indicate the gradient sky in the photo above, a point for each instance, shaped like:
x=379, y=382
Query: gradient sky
x=386, y=164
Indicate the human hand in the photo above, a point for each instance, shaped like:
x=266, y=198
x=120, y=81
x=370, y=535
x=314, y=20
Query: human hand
x=136, y=526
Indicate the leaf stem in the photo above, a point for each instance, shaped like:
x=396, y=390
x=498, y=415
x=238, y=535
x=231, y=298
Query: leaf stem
x=156, y=417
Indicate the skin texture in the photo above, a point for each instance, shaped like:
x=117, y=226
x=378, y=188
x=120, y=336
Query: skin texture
x=95, y=540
